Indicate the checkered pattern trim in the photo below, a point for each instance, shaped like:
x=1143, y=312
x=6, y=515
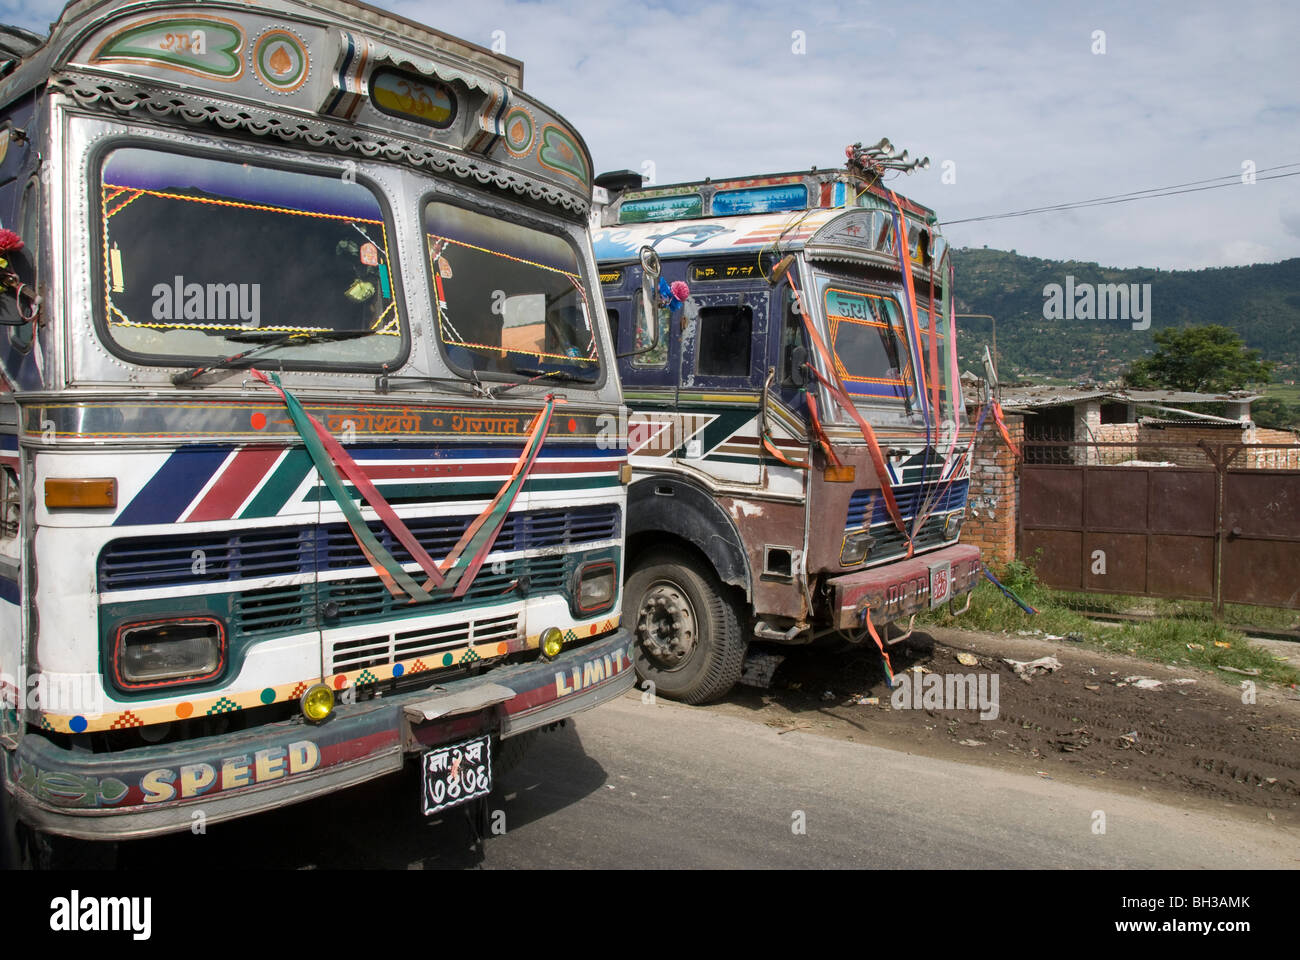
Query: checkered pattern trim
x=126, y=719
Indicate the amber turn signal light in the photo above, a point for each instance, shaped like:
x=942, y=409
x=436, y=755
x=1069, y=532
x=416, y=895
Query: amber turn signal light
x=842, y=473
x=80, y=493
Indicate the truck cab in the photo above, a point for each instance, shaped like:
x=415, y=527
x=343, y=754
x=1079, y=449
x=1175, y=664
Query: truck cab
x=302, y=380
x=800, y=465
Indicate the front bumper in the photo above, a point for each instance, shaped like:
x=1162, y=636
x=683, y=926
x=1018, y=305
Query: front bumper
x=161, y=789
x=901, y=588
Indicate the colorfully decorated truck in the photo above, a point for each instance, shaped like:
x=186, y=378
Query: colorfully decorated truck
x=303, y=469
x=798, y=443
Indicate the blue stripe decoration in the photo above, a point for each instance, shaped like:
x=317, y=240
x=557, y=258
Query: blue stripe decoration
x=174, y=486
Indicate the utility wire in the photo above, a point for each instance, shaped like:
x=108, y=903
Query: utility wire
x=1169, y=191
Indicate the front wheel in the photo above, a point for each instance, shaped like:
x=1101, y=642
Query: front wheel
x=688, y=637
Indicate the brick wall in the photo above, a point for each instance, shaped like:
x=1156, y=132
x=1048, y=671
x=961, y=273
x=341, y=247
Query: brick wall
x=1272, y=458
x=993, y=504
x=1126, y=433
x=1151, y=443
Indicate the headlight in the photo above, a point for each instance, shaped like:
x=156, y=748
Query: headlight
x=596, y=587
x=952, y=525
x=162, y=652
x=856, y=548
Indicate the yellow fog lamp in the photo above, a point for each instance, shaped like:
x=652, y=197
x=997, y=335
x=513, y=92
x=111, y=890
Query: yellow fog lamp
x=317, y=703
x=552, y=642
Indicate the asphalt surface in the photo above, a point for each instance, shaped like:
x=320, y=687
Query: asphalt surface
x=635, y=785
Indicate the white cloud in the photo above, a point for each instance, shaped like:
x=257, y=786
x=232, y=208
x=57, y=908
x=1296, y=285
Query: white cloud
x=1010, y=92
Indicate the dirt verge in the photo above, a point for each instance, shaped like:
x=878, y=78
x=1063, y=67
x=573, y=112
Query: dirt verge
x=1091, y=719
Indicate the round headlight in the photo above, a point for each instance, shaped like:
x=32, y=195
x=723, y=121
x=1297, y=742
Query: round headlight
x=317, y=703
x=952, y=525
x=552, y=642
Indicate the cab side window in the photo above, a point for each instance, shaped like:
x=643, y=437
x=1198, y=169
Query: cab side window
x=725, y=341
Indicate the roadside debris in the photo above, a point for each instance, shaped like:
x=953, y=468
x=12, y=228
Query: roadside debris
x=1026, y=669
x=1143, y=683
x=866, y=701
x=1252, y=672
x=971, y=743
x=968, y=659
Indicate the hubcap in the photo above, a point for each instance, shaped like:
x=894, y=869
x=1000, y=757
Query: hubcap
x=666, y=625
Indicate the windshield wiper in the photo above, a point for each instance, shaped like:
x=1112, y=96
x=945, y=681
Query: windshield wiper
x=535, y=375
x=265, y=344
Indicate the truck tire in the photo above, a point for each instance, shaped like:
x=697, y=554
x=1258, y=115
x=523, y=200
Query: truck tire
x=686, y=627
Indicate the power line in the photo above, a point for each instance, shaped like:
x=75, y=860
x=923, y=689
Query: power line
x=1193, y=186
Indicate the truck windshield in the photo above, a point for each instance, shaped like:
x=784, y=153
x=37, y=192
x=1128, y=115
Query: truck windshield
x=203, y=255
x=511, y=299
x=865, y=339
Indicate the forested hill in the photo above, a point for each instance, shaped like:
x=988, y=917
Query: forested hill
x=1261, y=302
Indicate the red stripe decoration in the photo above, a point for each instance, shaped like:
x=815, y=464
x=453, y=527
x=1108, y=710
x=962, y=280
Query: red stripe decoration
x=237, y=481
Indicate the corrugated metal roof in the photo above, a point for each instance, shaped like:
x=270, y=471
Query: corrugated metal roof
x=1032, y=398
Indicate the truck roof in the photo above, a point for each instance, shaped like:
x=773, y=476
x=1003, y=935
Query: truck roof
x=63, y=31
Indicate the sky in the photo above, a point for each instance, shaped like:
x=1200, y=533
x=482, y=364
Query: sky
x=1017, y=105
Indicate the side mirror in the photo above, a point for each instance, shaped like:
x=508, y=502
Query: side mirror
x=650, y=271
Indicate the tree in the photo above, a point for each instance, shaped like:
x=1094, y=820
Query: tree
x=1207, y=359
x=1274, y=412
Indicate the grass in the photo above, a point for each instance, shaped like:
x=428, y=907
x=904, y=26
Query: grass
x=1180, y=634
x=1286, y=392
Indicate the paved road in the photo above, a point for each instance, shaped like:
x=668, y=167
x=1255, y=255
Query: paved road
x=634, y=785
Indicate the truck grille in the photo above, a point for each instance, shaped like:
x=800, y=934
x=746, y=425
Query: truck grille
x=247, y=554
x=909, y=501
x=346, y=655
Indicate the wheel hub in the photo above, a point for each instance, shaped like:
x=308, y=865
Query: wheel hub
x=666, y=625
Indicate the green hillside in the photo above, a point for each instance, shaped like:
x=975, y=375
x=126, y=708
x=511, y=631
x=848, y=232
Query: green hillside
x=1261, y=302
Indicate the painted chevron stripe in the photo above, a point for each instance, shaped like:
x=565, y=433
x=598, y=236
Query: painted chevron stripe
x=235, y=483
x=205, y=484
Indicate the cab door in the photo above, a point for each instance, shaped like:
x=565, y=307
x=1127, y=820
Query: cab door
x=720, y=381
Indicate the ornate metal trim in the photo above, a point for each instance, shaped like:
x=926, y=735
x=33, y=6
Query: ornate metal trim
x=102, y=93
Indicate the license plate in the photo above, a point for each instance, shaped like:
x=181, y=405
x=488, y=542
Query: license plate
x=940, y=583
x=456, y=774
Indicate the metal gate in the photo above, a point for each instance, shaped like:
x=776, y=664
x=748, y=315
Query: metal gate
x=1216, y=522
